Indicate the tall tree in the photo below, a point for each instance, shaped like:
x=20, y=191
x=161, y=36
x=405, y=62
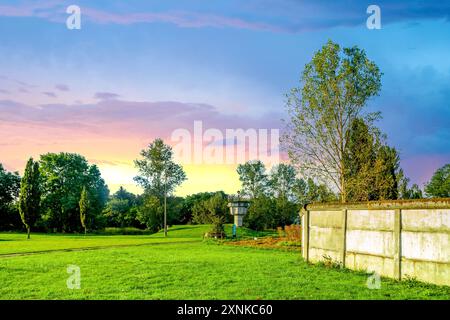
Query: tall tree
x=335, y=87
x=63, y=177
x=439, y=185
x=282, y=180
x=30, y=196
x=372, y=167
x=253, y=177
x=307, y=191
x=9, y=192
x=121, y=209
x=84, y=208
x=150, y=213
x=159, y=175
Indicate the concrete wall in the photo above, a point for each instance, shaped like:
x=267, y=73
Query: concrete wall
x=397, y=239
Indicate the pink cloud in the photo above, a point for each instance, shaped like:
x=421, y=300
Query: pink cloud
x=110, y=130
x=179, y=18
x=55, y=11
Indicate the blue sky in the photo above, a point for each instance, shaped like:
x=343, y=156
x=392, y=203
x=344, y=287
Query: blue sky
x=233, y=60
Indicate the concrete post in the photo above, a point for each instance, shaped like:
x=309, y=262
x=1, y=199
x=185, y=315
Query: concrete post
x=344, y=236
x=398, y=244
x=305, y=235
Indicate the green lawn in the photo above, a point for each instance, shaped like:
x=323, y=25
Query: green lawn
x=152, y=267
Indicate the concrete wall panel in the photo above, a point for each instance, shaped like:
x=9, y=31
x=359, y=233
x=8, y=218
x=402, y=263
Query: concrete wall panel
x=380, y=265
x=370, y=219
x=316, y=255
x=326, y=219
x=426, y=246
x=398, y=239
x=438, y=273
x=325, y=238
x=372, y=242
x=434, y=220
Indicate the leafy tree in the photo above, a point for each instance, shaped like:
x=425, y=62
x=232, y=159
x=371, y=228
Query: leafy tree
x=260, y=211
x=187, y=207
x=30, y=196
x=150, y=213
x=211, y=210
x=385, y=170
x=159, y=175
x=84, y=208
x=439, y=185
x=372, y=167
x=63, y=177
x=174, y=210
x=286, y=212
x=253, y=177
x=9, y=192
x=121, y=209
x=335, y=87
x=282, y=180
x=307, y=191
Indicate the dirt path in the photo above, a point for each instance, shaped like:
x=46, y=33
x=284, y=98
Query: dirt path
x=18, y=254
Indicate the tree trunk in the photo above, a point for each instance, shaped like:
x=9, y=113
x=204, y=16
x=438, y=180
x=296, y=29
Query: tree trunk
x=165, y=206
x=28, y=233
x=165, y=214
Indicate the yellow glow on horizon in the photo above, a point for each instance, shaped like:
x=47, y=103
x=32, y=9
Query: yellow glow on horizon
x=200, y=178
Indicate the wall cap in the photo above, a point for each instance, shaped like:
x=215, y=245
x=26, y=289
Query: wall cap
x=434, y=203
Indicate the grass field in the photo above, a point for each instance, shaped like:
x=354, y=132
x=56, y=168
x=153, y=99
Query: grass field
x=179, y=267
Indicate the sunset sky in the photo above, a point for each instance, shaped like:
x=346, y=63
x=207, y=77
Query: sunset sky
x=137, y=70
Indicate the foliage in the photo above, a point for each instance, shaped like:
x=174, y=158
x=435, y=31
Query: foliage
x=372, y=168
x=121, y=209
x=307, y=191
x=63, y=177
x=84, y=208
x=9, y=192
x=159, y=175
x=253, y=177
x=279, y=201
x=213, y=210
x=292, y=232
x=260, y=213
x=187, y=207
x=30, y=196
x=151, y=213
x=439, y=185
x=282, y=181
x=335, y=88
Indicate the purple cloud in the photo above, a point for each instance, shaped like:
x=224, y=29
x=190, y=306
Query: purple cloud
x=62, y=87
x=49, y=94
x=106, y=95
x=136, y=118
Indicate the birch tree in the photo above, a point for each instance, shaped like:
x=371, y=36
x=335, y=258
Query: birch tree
x=334, y=89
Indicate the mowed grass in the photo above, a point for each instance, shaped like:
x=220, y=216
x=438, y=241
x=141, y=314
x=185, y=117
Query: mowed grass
x=11, y=243
x=196, y=270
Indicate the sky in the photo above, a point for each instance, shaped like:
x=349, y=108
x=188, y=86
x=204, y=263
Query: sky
x=138, y=70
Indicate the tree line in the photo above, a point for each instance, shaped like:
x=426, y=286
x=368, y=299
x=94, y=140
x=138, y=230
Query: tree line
x=336, y=153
